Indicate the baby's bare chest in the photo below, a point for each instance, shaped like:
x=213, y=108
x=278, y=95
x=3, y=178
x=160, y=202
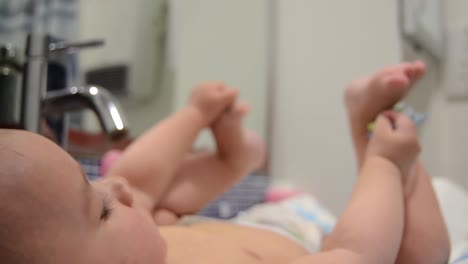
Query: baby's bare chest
x=214, y=243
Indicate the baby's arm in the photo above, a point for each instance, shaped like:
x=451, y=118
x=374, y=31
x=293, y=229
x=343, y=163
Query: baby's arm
x=151, y=162
x=371, y=228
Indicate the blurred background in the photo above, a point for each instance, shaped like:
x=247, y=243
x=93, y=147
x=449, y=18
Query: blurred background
x=291, y=60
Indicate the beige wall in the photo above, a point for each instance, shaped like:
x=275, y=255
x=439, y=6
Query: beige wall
x=223, y=40
x=318, y=53
x=321, y=46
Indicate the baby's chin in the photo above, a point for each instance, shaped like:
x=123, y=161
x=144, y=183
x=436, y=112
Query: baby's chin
x=158, y=241
x=160, y=248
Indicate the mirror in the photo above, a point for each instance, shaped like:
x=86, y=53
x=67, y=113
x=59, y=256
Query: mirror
x=164, y=48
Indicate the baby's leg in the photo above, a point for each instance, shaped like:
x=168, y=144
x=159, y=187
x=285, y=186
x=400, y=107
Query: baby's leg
x=205, y=175
x=425, y=238
x=238, y=147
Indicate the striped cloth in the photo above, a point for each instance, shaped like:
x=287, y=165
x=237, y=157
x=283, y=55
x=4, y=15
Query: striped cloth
x=247, y=193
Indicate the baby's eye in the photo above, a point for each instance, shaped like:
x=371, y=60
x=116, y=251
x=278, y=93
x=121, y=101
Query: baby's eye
x=106, y=208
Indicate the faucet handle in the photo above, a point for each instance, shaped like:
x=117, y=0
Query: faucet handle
x=39, y=45
x=65, y=46
x=9, y=55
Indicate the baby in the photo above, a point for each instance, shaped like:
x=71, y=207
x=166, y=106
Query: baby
x=50, y=213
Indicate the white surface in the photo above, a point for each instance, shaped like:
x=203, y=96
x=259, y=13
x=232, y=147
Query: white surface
x=321, y=46
x=453, y=201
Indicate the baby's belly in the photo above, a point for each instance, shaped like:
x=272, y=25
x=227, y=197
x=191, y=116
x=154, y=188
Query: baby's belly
x=213, y=243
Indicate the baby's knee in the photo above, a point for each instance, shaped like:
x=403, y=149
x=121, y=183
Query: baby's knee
x=438, y=247
x=442, y=248
x=427, y=249
x=165, y=217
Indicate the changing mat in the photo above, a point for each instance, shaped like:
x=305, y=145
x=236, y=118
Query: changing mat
x=453, y=201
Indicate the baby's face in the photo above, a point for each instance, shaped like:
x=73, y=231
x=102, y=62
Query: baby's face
x=123, y=234
x=69, y=218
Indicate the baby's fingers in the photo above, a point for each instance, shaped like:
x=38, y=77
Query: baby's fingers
x=404, y=125
x=384, y=123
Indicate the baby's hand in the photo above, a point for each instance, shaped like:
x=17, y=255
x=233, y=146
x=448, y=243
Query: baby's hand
x=212, y=99
x=395, y=139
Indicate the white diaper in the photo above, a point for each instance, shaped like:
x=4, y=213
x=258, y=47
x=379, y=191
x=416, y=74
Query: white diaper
x=459, y=253
x=301, y=219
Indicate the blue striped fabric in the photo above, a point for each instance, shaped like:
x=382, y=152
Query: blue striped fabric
x=463, y=259
x=91, y=167
x=245, y=194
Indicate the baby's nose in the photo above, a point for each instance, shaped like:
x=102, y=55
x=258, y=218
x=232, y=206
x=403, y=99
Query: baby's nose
x=120, y=189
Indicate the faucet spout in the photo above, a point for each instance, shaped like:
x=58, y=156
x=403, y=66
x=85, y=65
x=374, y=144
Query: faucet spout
x=95, y=98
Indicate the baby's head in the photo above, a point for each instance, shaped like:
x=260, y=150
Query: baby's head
x=50, y=213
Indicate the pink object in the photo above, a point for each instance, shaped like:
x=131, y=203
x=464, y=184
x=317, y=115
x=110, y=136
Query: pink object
x=277, y=194
x=108, y=160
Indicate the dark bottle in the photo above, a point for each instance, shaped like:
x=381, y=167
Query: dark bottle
x=10, y=88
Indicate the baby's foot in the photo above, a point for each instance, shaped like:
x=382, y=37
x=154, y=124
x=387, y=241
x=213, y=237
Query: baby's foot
x=211, y=99
x=240, y=148
x=366, y=98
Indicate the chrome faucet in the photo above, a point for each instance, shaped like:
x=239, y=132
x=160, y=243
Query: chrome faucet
x=92, y=97
x=37, y=101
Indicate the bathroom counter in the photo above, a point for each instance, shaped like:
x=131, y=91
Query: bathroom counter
x=88, y=144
